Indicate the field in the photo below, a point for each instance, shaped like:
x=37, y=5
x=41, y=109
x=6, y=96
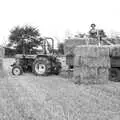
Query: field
x=29, y=97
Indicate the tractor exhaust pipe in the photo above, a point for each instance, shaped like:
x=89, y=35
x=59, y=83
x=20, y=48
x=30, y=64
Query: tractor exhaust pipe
x=46, y=38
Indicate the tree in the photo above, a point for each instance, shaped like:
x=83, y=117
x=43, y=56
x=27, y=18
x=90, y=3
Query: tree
x=9, y=52
x=23, y=38
x=61, y=48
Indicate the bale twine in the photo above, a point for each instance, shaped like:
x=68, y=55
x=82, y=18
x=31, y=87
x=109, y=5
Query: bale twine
x=91, y=64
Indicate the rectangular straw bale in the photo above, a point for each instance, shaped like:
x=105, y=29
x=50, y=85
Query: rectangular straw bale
x=103, y=75
x=92, y=41
x=77, y=61
x=66, y=74
x=88, y=81
x=91, y=75
x=77, y=71
x=76, y=75
x=69, y=59
x=74, y=42
x=84, y=75
x=88, y=72
x=68, y=49
x=115, y=50
x=103, y=80
x=92, y=61
x=91, y=50
x=95, y=61
x=70, y=44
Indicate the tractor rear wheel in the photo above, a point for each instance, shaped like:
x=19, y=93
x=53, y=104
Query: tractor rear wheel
x=115, y=74
x=41, y=66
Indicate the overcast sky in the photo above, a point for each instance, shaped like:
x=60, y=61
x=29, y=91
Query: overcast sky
x=55, y=17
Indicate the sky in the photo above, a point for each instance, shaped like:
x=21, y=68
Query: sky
x=55, y=18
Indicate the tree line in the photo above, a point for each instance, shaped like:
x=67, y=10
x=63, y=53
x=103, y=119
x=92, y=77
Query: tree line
x=25, y=38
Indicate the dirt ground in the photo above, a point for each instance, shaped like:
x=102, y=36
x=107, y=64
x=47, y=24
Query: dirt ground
x=29, y=97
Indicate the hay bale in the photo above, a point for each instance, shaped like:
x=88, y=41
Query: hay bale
x=87, y=72
x=69, y=49
x=70, y=59
x=90, y=75
x=66, y=74
x=72, y=43
x=92, y=61
x=115, y=50
x=93, y=41
x=80, y=74
x=76, y=75
x=92, y=51
x=76, y=41
x=77, y=61
x=103, y=75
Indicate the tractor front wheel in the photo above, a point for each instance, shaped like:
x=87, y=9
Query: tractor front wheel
x=17, y=70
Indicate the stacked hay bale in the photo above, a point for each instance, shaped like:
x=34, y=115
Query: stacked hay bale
x=91, y=64
x=93, y=41
x=70, y=44
x=69, y=47
x=1, y=61
x=62, y=60
x=115, y=51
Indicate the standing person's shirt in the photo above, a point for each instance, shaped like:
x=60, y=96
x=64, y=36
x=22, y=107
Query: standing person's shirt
x=93, y=33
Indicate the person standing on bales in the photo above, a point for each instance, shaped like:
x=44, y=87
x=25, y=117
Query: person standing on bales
x=93, y=31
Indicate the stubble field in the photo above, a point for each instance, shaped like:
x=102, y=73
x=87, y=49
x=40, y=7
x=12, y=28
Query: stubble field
x=29, y=97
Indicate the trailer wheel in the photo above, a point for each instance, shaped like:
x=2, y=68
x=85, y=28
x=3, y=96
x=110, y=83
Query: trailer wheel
x=115, y=74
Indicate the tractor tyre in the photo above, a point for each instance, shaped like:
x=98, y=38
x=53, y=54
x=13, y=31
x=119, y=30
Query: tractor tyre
x=17, y=70
x=115, y=74
x=41, y=67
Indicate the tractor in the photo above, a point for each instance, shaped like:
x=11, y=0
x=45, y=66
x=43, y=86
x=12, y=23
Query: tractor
x=42, y=64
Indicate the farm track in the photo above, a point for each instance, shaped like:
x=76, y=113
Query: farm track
x=29, y=97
